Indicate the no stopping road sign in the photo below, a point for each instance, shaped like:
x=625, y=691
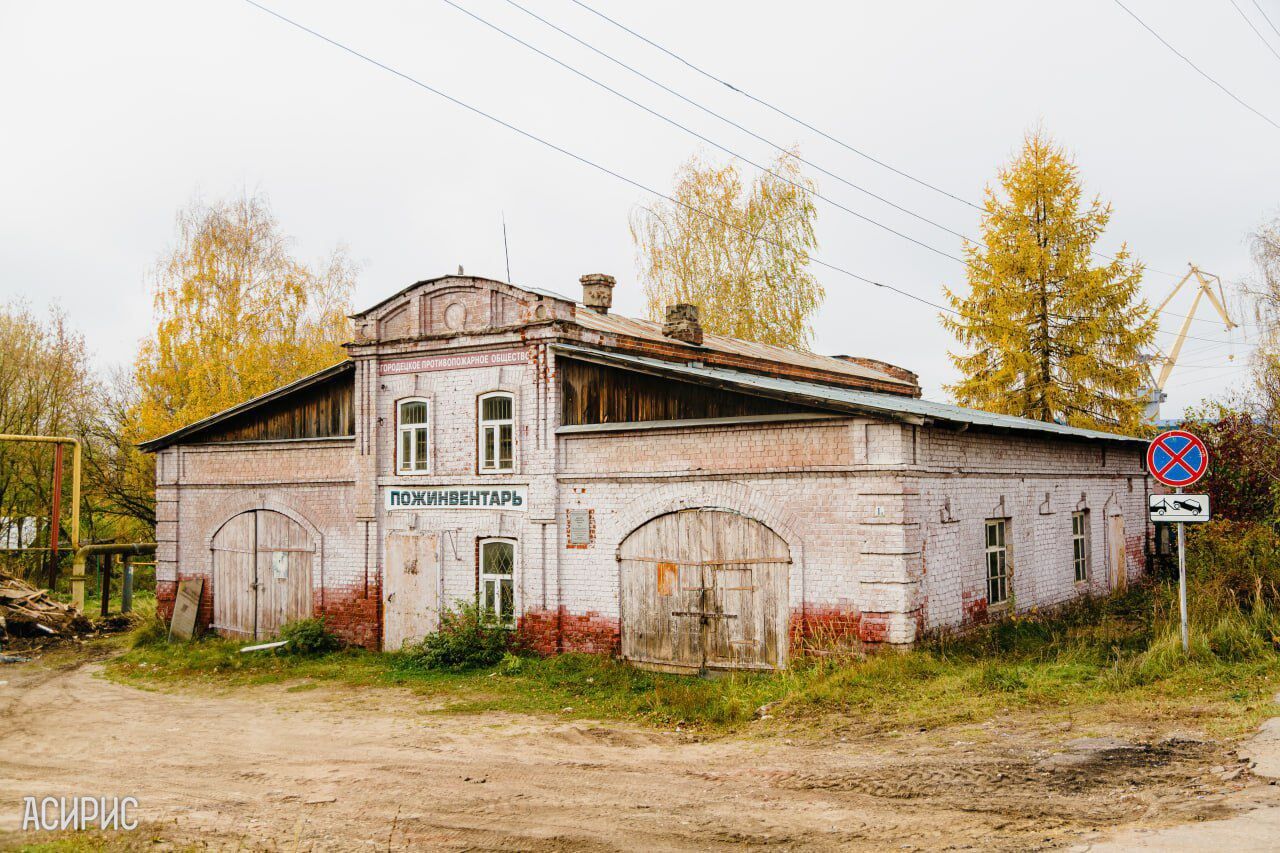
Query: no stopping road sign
x=1177, y=458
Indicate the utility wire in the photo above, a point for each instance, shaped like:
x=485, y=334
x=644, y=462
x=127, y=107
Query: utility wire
x=775, y=145
x=1257, y=32
x=713, y=143
x=803, y=123
x=734, y=124
x=775, y=109
x=1266, y=17
x=1232, y=95
x=585, y=161
x=606, y=170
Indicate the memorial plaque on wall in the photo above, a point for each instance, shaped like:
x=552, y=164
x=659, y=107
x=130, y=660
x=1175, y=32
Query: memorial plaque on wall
x=579, y=527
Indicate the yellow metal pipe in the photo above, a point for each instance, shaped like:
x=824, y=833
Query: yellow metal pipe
x=75, y=475
x=77, y=568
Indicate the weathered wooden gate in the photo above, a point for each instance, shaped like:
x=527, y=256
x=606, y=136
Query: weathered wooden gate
x=261, y=574
x=411, y=598
x=704, y=589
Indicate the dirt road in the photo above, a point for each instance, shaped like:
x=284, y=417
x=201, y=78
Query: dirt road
x=337, y=768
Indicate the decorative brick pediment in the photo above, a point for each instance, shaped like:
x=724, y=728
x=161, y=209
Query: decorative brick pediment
x=456, y=305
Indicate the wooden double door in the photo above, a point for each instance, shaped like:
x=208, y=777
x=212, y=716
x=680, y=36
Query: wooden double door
x=704, y=589
x=262, y=563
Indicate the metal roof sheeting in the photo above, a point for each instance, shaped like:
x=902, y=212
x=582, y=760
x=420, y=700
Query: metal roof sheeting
x=843, y=399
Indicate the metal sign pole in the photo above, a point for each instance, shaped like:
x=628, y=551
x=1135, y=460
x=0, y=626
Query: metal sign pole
x=1182, y=582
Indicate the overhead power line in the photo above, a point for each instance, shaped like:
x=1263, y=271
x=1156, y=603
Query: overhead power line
x=1257, y=32
x=801, y=122
x=1266, y=17
x=584, y=160
x=1230, y=94
x=777, y=109
x=775, y=145
x=717, y=145
x=725, y=149
x=614, y=174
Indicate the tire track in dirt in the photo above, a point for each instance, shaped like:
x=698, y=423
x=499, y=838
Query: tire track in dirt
x=334, y=768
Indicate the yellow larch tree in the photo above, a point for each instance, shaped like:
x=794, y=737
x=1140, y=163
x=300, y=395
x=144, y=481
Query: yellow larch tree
x=1048, y=332
x=236, y=316
x=740, y=254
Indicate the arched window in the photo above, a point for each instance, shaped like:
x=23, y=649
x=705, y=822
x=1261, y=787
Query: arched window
x=496, y=433
x=413, y=436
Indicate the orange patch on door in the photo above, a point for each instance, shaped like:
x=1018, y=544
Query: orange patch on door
x=668, y=578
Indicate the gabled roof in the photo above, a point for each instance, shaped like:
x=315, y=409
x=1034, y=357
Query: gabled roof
x=835, y=398
x=161, y=442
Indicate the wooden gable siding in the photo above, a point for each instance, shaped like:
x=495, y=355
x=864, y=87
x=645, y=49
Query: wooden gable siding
x=323, y=410
x=596, y=394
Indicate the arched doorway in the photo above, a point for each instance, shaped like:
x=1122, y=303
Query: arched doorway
x=704, y=589
x=261, y=574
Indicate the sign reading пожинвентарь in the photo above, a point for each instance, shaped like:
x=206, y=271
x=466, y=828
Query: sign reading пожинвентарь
x=458, y=497
x=453, y=361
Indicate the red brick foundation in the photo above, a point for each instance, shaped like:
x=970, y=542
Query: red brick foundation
x=549, y=632
x=166, y=592
x=975, y=609
x=825, y=628
x=354, y=615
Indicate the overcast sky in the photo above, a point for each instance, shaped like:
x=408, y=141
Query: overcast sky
x=114, y=116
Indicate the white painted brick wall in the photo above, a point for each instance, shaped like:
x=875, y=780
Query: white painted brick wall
x=881, y=518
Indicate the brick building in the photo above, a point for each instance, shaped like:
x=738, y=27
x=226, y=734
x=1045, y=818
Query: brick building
x=609, y=484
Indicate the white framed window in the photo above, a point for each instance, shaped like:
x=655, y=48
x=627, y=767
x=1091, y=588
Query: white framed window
x=413, y=436
x=1080, y=545
x=997, y=562
x=497, y=580
x=497, y=432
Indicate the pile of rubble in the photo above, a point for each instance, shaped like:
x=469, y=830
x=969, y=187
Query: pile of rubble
x=28, y=611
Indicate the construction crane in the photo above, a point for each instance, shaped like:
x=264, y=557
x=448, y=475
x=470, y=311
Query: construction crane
x=1161, y=365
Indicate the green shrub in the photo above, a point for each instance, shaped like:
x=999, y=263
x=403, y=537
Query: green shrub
x=511, y=664
x=1236, y=562
x=309, y=637
x=466, y=640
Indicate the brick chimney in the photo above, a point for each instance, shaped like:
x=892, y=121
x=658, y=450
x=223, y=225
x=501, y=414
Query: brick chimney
x=597, y=291
x=682, y=324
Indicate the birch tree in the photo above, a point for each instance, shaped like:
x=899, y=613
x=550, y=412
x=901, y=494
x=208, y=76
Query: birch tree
x=740, y=253
x=236, y=315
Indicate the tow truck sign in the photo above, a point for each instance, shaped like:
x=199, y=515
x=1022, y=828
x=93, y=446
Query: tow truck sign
x=1191, y=509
